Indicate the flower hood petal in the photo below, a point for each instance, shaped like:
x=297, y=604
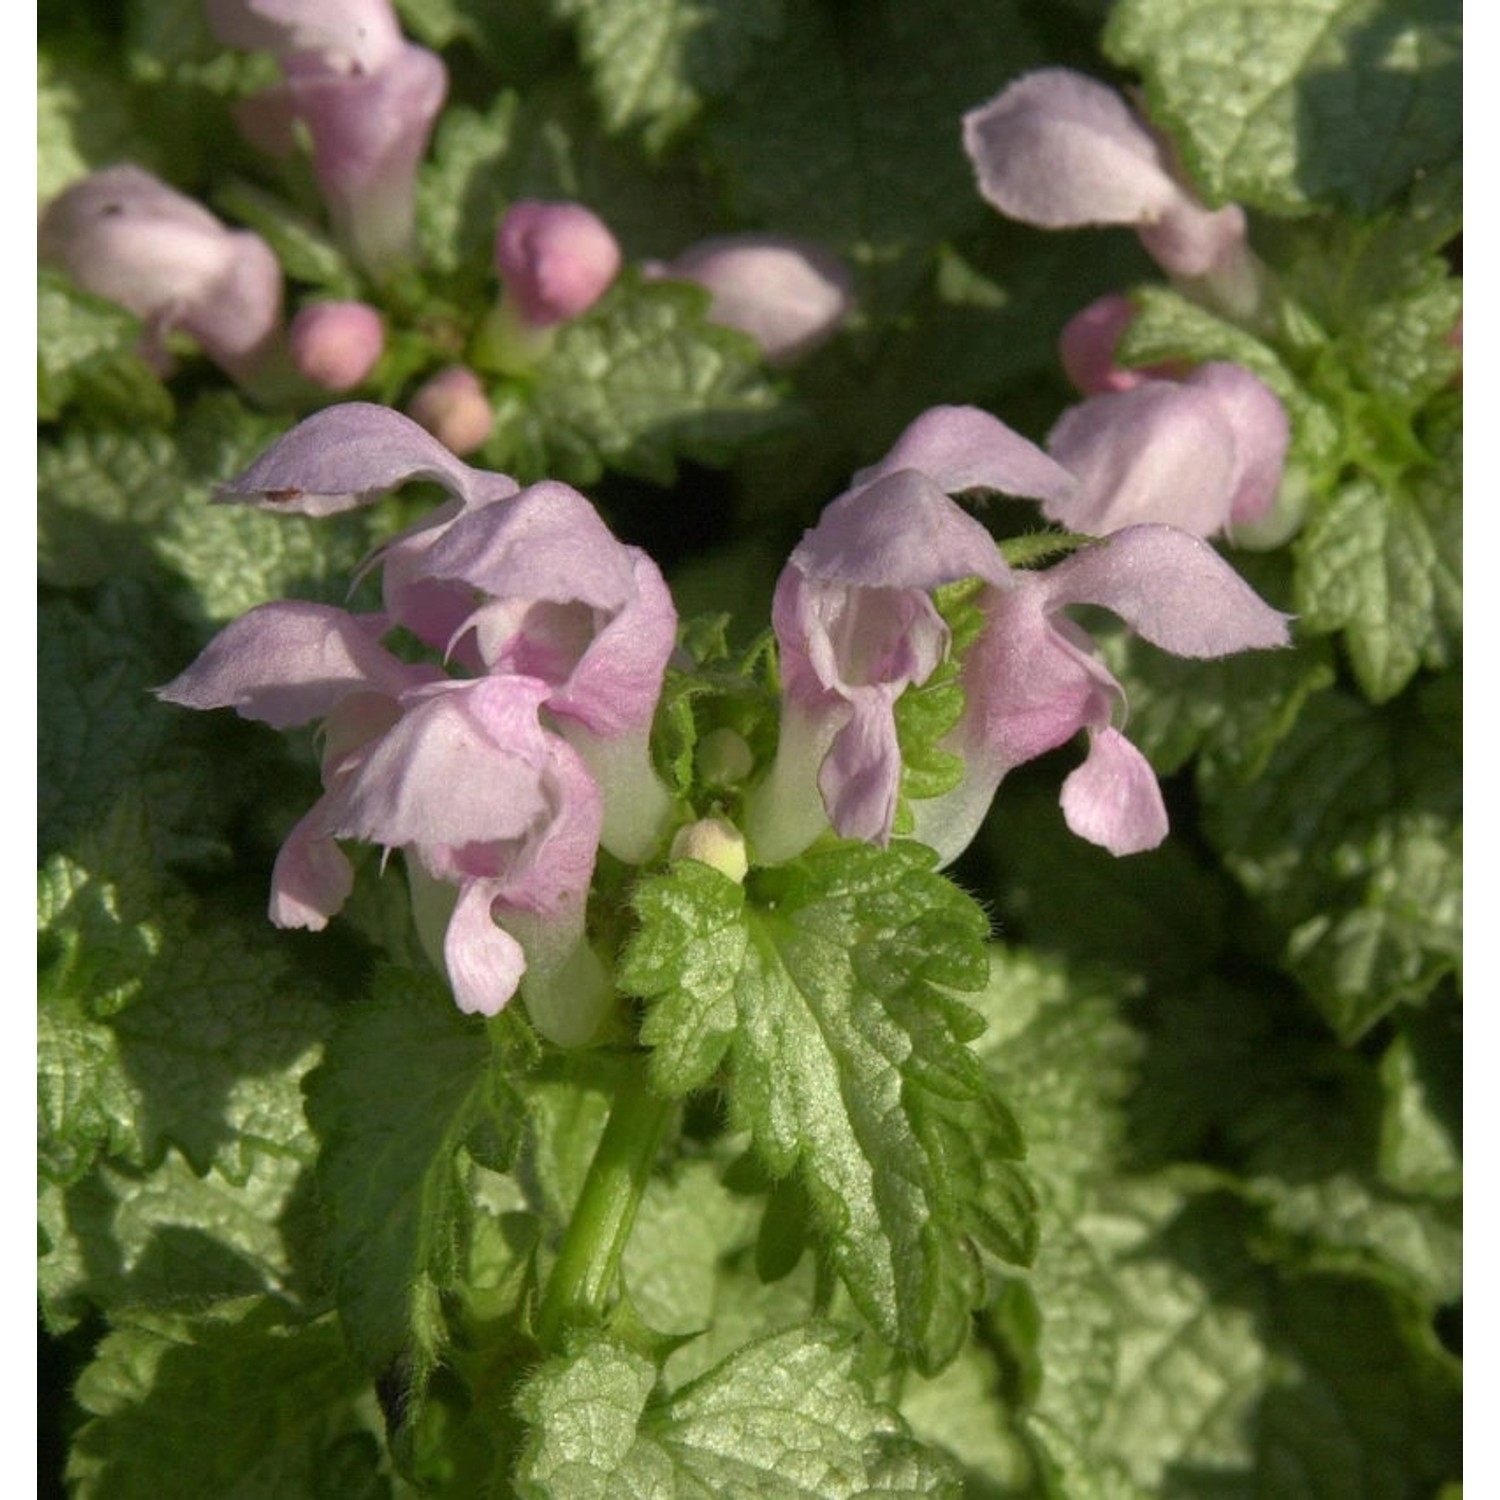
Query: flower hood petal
x=1059, y=150
x=964, y=448
x=350, y=455
x=1159, y=452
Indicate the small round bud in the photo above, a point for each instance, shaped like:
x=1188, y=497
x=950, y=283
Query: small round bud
x=454, y=408
x=715, y=842
x=556, y=259
x=336, y=344
x=724, y=758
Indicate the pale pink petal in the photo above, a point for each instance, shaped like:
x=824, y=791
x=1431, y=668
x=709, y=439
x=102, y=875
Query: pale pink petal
x=312, y=879
x=462, y=766
x=292, y=661
x=789, y=295
x=1262, y=434
x=1160, y=452
x=1191, y=240
x=1060, y=150
x=344, y=34
x=1172, y=588
x=350, y=455
x=336, y=344
x=860, y=779
x=899, y=531
x=1113, y=799
x=484, y=962
x=964, y=448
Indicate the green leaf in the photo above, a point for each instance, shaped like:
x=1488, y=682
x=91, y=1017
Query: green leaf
x=461, y=189
x=1174, y=1365
x=241, y=1403
x=305, y=252
x=654, y=64
x=782, y=1418
x=1291, y=106
x=131, y=503
x=208, y=1056
x=83, y=116
x=86, y=354
x=1420, y=1145
x=169, y=1239
x=849, y=134
x=684, y=1227
x=101, y=735
x=638, y=382
x=825, y=987
x=1169, y=327
x=1351, y=843
x=1384, y=564
x=406, y=1082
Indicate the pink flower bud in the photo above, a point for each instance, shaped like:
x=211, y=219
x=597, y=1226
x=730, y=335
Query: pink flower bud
x=788, y=295
x=1087, y=347
x=124, y=235
x=556, y=259
x=336, y=344
x=454, y=408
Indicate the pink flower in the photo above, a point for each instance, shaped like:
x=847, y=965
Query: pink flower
x=1060, y=150
x=1204, y=455
x=461, y=775
x=367, y=97
x=124, y=235
x=506, y=580
x=857, y=626
x=1031, y=680
x=789, y=295
x=856, y=623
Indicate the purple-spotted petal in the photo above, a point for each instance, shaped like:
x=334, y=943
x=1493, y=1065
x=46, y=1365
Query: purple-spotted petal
x=964, y=448
x=1113, y=799
x=291, y=662
x=1059, y=150
x=1160, y=452
x=484, y=962
x=350, y=455
x=1171, y=588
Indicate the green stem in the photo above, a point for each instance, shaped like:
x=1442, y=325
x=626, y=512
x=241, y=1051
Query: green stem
x=589, y=1260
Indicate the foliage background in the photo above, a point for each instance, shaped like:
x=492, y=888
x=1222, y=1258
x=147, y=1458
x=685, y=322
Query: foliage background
x=1235, y=1059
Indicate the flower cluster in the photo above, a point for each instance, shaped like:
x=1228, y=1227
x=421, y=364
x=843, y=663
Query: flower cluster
x=500, y=777
x=502, y=771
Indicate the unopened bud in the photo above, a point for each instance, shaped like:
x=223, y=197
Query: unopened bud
x=714, y=842
x=556, y=260
x=724, y=758
x=455, y=409
x=1088, y=343
x=336, y=344
x=788, y=295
